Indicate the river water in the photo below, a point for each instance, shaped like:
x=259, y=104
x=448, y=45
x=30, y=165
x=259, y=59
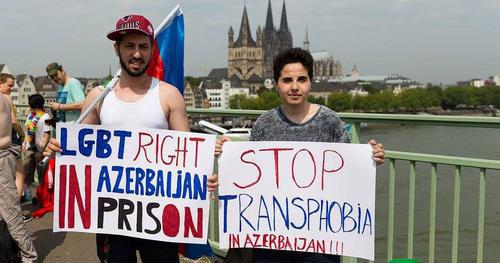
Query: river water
x=481, y=143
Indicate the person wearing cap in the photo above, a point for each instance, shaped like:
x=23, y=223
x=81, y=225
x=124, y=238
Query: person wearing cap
x=143, y=101
x=70, y=94
x=10, y=208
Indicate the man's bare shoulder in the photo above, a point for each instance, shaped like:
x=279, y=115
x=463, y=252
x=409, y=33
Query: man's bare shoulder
x=7, y=98
x=168, y=89
x=95, y=92
x=5, y=102
x=171, y=95
x=10, y=103
x=93, y=116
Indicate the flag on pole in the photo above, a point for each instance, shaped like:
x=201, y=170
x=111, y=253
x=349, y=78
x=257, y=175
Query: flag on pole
x=167, y=64
x=167, y=61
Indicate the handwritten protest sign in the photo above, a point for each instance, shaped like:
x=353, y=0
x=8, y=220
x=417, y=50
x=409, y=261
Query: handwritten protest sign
x=144, y=183
x=298, y=196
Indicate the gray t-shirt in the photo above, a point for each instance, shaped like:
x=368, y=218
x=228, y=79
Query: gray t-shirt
x=324, y=126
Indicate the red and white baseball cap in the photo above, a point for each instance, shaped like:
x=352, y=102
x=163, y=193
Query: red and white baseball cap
x=131, y=24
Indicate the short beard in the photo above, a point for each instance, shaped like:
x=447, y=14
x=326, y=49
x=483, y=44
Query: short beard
x=132, y=74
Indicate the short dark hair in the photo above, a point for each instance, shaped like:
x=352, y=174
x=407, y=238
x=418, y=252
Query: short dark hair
x=4, y=77
x=36, y=101
x=292, y=55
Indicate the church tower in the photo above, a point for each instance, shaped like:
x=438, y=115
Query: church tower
x=284, y=34
x=306, y=41
x=269, y=43
x=245, y=54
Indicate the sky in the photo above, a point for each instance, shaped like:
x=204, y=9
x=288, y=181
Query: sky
x=437, y=41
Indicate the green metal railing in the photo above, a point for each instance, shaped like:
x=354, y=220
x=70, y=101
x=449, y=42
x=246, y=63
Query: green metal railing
x=434, y=160
x=413, y=159
x=394, y=157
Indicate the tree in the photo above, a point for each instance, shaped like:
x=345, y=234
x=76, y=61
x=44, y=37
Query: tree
x=496, y=96
x=194, y=81
x=460, y=97
x=316, y=100
x=386, y=101
x=356, y=102
x=368, y=87
x=472, y=96
x=339, y=101
x=236, y=101
x=436, y=91
x=411, y=99
x=371, y=103
x=268, y=99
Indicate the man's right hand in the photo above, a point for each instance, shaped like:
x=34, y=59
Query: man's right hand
x=218, y=145
x=52, y=147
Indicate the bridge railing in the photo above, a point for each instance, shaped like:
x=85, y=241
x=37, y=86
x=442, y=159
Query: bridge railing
x=413, y=159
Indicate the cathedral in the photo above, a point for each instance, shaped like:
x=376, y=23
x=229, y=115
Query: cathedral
x=250, y=61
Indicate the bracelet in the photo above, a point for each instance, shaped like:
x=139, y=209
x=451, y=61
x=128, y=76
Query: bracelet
x=59, y=106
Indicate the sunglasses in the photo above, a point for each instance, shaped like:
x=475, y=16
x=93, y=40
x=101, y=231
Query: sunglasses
x=53, y=76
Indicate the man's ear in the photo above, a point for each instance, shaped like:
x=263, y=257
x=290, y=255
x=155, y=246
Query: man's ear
x=116, y=46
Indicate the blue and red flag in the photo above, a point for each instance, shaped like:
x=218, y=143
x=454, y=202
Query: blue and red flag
x=167, y=62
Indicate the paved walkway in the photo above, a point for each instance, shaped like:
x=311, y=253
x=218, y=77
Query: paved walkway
x=61, y=246
x=67, y=247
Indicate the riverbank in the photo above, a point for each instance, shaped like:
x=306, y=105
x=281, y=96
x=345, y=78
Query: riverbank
x=483, y=112
x=469, y=112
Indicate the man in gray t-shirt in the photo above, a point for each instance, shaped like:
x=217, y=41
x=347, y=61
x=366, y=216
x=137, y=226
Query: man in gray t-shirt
x=296, y=120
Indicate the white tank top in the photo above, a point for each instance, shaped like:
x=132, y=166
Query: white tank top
x=145, y=112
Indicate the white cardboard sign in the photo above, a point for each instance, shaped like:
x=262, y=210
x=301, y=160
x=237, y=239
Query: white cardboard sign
x=144, y=183
x=298, y=196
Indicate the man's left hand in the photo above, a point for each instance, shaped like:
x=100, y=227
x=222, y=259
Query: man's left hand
x=54, y=106
x=378, y=152
x=213, y=184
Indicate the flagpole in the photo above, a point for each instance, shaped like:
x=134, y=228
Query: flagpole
x=167, y=19
x=114, y=80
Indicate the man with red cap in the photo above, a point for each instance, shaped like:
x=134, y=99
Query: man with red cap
x=143, y=101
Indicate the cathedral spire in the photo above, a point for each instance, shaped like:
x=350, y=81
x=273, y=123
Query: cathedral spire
x=269, y=18
x=306, y=40
x=230, y=37
x=245, y=35
x=284, y=35
x=284, y=21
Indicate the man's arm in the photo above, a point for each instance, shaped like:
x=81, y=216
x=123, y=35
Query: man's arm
x=93, y=117
x=67, y=107
x=17, y=126
x=12, y=111
x=15, y=123
x=76, y=98
x=174, y=107
x=46, y=137
x=5, y=122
